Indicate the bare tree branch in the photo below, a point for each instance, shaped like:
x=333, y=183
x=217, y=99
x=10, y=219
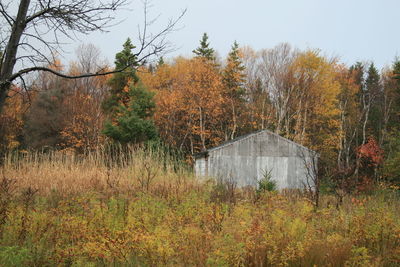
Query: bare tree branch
x=37, y=19
x=7, y=17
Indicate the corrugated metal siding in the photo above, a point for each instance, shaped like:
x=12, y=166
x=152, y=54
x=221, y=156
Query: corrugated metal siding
x=246, y=161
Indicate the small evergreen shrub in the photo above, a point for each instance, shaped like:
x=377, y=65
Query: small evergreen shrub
x=266, y=183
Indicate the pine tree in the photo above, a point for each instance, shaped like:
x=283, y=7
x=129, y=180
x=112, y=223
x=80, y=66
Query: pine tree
x=358, y=71
x=374, y=96
x=204, y=51
x=396, y=71
x=233, y=75
x=134, y=123
x=233, y=80
x=130, y=106
x=372, y=81
x=119, y=81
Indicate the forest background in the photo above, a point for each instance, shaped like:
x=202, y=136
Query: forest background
x=97, y=171
x=348, y=114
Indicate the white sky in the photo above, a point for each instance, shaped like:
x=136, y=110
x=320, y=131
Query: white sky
x=354, y=30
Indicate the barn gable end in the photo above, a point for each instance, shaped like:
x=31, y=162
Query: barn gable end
x=246, y=159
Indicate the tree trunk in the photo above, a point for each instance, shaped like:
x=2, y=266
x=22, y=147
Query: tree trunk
x=3, y=94
x=233, y=133
x=11, y=49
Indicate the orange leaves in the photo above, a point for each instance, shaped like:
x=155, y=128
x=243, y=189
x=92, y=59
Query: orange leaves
x=11, y=119
x=83, y=122
x=371, y=152
x=189, y=102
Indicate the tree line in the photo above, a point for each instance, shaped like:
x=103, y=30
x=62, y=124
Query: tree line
x=348, y=114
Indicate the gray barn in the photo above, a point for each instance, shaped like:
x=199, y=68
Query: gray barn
x=246, y=159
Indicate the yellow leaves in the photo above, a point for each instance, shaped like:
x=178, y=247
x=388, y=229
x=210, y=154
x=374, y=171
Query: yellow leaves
x=11, y=119
x=192, y=230
x=188, y=100
x=84, y=122
x=126, y=89
x=318, y=91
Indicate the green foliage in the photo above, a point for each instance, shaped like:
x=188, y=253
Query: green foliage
x=233, y=75
x=266, y=184
x=130, y=106
x=179, y=222
x=14, y=256
x=204, y=50
x=373, y=92
x=125, y=61
x=391, y=165
x=394, y=120
x=359, y=257
x=133, y=124
x=358, y=70
x=372, y=81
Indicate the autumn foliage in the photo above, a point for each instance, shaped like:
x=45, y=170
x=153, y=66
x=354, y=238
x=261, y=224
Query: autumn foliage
x=11, y=120
x=371, y=152
x=143, y=208
x=188, y=103
x=98, y=171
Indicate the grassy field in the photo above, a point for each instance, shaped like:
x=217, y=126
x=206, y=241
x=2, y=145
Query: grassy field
x=146, y=209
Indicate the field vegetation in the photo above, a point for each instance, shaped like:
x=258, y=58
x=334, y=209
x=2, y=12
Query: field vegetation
x=143, y=207
x=96, y=159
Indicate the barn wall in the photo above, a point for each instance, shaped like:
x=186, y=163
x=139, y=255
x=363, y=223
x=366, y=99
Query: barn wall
x=200, y=167
x=245, y=161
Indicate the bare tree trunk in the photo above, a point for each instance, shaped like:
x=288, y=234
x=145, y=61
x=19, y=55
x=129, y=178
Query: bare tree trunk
x=191, y=144
x=3, y=94
x=262, y=114
x=63, y=18
x=202, y=137
x=366, y=109
x=386, y=116
x=303, y=131
x=10, y=51
x=234, y=121
x=343, y=137
x=282, y=111
x=298, y=121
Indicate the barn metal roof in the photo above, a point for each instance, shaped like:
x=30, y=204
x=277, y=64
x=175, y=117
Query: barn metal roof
x=230, y=142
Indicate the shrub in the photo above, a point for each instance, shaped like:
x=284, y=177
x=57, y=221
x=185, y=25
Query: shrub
x=266, y=183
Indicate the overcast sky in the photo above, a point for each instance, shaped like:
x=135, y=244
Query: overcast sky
x=354, y=30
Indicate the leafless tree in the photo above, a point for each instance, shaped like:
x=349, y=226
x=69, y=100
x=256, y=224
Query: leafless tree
x=312, y=180
x=276, y=73
x=31, y=25
x=269, y=84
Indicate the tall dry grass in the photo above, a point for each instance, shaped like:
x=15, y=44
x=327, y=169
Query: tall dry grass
x=142, y=207
x=121, y=170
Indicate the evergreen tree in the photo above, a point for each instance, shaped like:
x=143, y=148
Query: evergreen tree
x=392, y=144
x=119, y=81
x=204, y=50
x=372, y=81
x=160, y=62
x=130, y=106
x=233, y=75
x=374, y=95
x=396, y=71
x=358, y=71
x=133, y=123
x=233, y=79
